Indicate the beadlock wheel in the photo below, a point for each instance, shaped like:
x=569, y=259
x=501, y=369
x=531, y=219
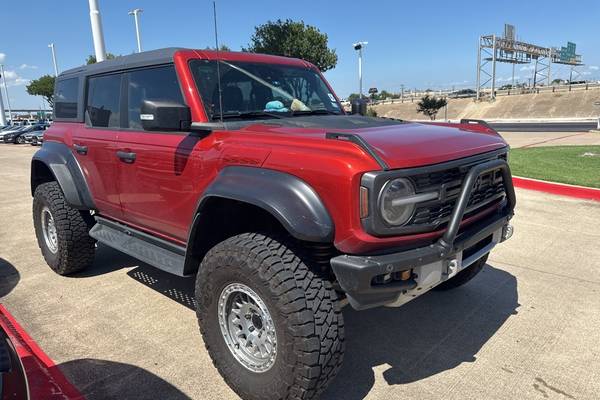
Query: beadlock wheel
x=49, y=230
x=247, y=327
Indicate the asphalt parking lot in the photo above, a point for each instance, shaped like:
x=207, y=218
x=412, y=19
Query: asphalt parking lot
x=527, y=327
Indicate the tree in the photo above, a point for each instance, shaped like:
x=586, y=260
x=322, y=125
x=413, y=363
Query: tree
x=222, y=47
x=352, y=97
x=430, y=106
x=384, y=95
x=43, y=86
x=92, y=58
x=293, y=39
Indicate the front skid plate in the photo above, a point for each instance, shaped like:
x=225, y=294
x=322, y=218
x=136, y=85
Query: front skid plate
x=430, y=275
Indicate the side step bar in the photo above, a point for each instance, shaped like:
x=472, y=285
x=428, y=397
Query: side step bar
x=154, y=251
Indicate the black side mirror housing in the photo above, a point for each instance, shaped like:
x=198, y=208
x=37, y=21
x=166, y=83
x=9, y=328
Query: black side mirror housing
x=162, y=115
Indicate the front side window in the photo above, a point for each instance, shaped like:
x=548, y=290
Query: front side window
x=103, y=101
x=65, y=98
x=151, y=84
x=251, y=89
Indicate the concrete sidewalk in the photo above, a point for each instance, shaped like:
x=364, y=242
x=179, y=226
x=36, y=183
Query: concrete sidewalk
x=527, y=327
x=538, y=139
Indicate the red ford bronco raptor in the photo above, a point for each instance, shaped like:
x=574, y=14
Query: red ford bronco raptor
x=244, y=170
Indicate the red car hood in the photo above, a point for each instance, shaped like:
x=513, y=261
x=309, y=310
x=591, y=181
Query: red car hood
x=399, y=144
x=414, y=144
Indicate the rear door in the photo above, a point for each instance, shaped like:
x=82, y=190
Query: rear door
x=94, y=144
x=158, y=183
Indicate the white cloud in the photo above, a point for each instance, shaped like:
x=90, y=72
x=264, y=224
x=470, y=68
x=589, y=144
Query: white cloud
x=14, y=79
x=528, y=68
x=586, y=73
x=594, y=67
x=27, y=66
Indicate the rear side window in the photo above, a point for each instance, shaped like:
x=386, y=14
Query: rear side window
x=65, y=98
x=103, y=101
x=158, y=83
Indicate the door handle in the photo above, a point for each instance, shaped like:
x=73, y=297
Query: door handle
x=80, y=149
x=126, y=156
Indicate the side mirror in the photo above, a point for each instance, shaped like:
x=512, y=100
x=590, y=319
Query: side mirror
x=159, y=115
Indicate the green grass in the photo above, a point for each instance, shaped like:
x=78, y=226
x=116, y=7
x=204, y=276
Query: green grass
x=565, y=164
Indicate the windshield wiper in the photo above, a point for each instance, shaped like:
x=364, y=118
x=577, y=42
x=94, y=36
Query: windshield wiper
x=246, y=115
x=320, y=111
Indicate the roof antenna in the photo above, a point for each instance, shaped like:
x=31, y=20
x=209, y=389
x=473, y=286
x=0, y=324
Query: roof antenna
x=218, y=62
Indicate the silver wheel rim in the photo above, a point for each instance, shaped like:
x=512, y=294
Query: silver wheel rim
x=247, y=327
x=49, y=230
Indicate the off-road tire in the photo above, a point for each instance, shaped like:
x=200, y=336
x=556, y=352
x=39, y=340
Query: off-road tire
x=463, y=276
x=305, y=310
x=75, y=246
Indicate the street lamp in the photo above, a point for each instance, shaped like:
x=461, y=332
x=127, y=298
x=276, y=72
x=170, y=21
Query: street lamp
x=136, y=16
x=2, y=115
x=51, y=45
x=358, y=46
x=6, y=92
x=97, y=34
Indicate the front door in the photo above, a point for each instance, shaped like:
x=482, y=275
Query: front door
x=159, y=172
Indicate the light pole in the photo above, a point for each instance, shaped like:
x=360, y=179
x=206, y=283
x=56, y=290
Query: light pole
x=2, y=115
x=6, y=92
x=358, y=46
x=97, y=35
x=136, y=16
x=51, y=45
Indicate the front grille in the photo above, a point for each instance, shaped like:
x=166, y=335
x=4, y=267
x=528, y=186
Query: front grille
x=488, y=190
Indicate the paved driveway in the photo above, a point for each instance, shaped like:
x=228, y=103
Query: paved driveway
x=527, y=327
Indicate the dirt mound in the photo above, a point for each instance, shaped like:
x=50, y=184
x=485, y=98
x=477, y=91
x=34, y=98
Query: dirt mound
x=575, y=104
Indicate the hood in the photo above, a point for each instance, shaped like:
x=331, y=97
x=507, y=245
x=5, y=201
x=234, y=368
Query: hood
x=400, y=144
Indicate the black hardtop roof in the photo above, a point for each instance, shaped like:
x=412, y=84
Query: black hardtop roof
x=145, y=58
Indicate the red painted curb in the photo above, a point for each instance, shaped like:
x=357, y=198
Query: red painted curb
x=562, y=189
x=44, y=378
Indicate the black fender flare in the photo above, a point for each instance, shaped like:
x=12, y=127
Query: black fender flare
x=294, y=203
x=63, y=165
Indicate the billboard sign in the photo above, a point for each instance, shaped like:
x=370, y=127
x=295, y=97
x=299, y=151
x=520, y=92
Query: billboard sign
x=567, y=54
x=509, y=32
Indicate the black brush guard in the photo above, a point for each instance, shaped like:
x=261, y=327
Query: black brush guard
x=355, y=273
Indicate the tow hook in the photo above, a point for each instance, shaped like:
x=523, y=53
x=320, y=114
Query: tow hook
x=452, y=267
x=507, y=232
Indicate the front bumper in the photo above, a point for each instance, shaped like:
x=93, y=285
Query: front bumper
x=428, y=265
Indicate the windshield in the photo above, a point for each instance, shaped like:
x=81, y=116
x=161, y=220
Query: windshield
x=262, y=90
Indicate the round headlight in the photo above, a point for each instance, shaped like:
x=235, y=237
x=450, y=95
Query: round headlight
x=392, y=212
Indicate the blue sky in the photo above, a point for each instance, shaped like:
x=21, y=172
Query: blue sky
x=419, y=44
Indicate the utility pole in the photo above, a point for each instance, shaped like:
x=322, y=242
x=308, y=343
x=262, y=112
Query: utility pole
x=2, y=115
x=402, y=93
x=6, y=92
x=493, y=95
x=535, y=71
x=358, y=46
x=51, y=45
x=97, y=34
x=478, y=69
x=136, y=16
x=513, y=77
